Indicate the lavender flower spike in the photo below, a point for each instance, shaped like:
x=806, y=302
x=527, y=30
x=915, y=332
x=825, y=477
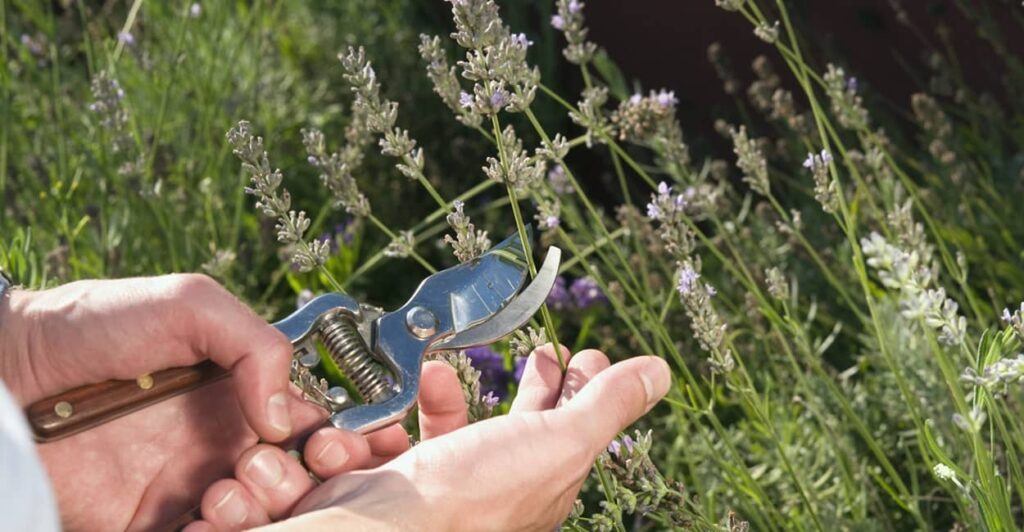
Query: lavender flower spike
x=687, y=280
x=559, y=298
x=586, y=293
x=491, y=365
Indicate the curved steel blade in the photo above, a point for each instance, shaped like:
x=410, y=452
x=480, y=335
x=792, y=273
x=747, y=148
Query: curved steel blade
x=513, y=316
x=483, y=287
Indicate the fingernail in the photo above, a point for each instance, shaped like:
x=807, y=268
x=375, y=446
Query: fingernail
x=332, y=456
x=231, y=508
x=264, y=469
x=656, y=379
x=277, y=413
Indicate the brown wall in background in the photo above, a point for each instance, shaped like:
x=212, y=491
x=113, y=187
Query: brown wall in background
x=663, y=43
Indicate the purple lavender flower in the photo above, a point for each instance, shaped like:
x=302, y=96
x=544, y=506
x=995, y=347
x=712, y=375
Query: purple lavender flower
x=851, y=84
x=687, y=280
x=499, y=99
x=1006, y=315
x=663, y=205
x=465, y=99
x=304, y=296
x=313, y=161
x=558, y=22
x=586, y=293
x=680, y=200
x=35, y=45
x=653, y=211
x=614, y=447
x=490, y=399
x=342, y=233
x=521, y=40
x=518, y=368
x=491, y=365
x=551, y=222
x=809, y=161
x=814, y=160
x=575, y=6
x=559, y=297
x=628, y=443
x=328, y=238
x=346, y=230
x=118, y=91
x=666, y=98
x=126, y=38
x=559, y=181
x=635, y=99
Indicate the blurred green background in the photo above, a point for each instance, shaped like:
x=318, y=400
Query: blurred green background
x=74, y=207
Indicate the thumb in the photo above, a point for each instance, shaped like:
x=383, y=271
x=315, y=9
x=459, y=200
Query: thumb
x=615, y=398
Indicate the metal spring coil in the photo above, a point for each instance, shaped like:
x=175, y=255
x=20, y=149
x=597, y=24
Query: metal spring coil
x=346, y=347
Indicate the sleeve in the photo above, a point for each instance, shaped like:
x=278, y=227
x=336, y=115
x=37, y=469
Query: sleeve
x=26, y=500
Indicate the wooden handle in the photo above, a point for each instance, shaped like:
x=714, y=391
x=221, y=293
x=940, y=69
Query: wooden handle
x=87, y=406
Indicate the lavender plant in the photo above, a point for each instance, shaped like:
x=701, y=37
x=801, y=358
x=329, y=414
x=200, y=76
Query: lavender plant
x=838, y=290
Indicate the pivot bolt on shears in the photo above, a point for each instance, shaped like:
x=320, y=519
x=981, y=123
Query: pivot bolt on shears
x=378, y=353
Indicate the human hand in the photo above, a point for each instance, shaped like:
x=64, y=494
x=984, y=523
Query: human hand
x=268, y=483
x=521, y=471
x=145, y=469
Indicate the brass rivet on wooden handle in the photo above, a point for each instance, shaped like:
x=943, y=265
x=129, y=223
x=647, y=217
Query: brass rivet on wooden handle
x=145, y=381
x=63, y=409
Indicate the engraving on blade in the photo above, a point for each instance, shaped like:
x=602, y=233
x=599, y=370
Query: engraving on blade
x=487, y=285
x=515, y=314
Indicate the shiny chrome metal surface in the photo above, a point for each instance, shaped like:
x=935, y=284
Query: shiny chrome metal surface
x=468, y=305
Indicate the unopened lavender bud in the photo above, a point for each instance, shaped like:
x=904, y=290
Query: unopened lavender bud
x=825, y=188
x=730, y=5
x=570, y=21
x=468, y=243
x=751, y=160
x=847, y=104
x=766, y=33
x=402, y=246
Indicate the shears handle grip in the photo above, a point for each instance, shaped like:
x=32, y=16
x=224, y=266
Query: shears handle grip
x=85, y=407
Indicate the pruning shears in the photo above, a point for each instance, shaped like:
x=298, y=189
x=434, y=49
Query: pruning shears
x=379, y=353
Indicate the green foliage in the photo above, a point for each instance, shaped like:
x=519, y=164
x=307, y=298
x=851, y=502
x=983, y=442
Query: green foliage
x=829, y=299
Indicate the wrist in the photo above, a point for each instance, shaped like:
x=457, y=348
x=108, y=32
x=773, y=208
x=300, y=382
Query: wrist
x=17, y=334
x=380, y=500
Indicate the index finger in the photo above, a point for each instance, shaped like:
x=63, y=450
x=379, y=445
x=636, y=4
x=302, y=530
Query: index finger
x=218, y=326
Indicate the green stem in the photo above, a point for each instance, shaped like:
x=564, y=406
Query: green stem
x=391, y=234
x=549, y=325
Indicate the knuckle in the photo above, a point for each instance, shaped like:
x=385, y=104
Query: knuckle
x=278, y=344
x=192, y=285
